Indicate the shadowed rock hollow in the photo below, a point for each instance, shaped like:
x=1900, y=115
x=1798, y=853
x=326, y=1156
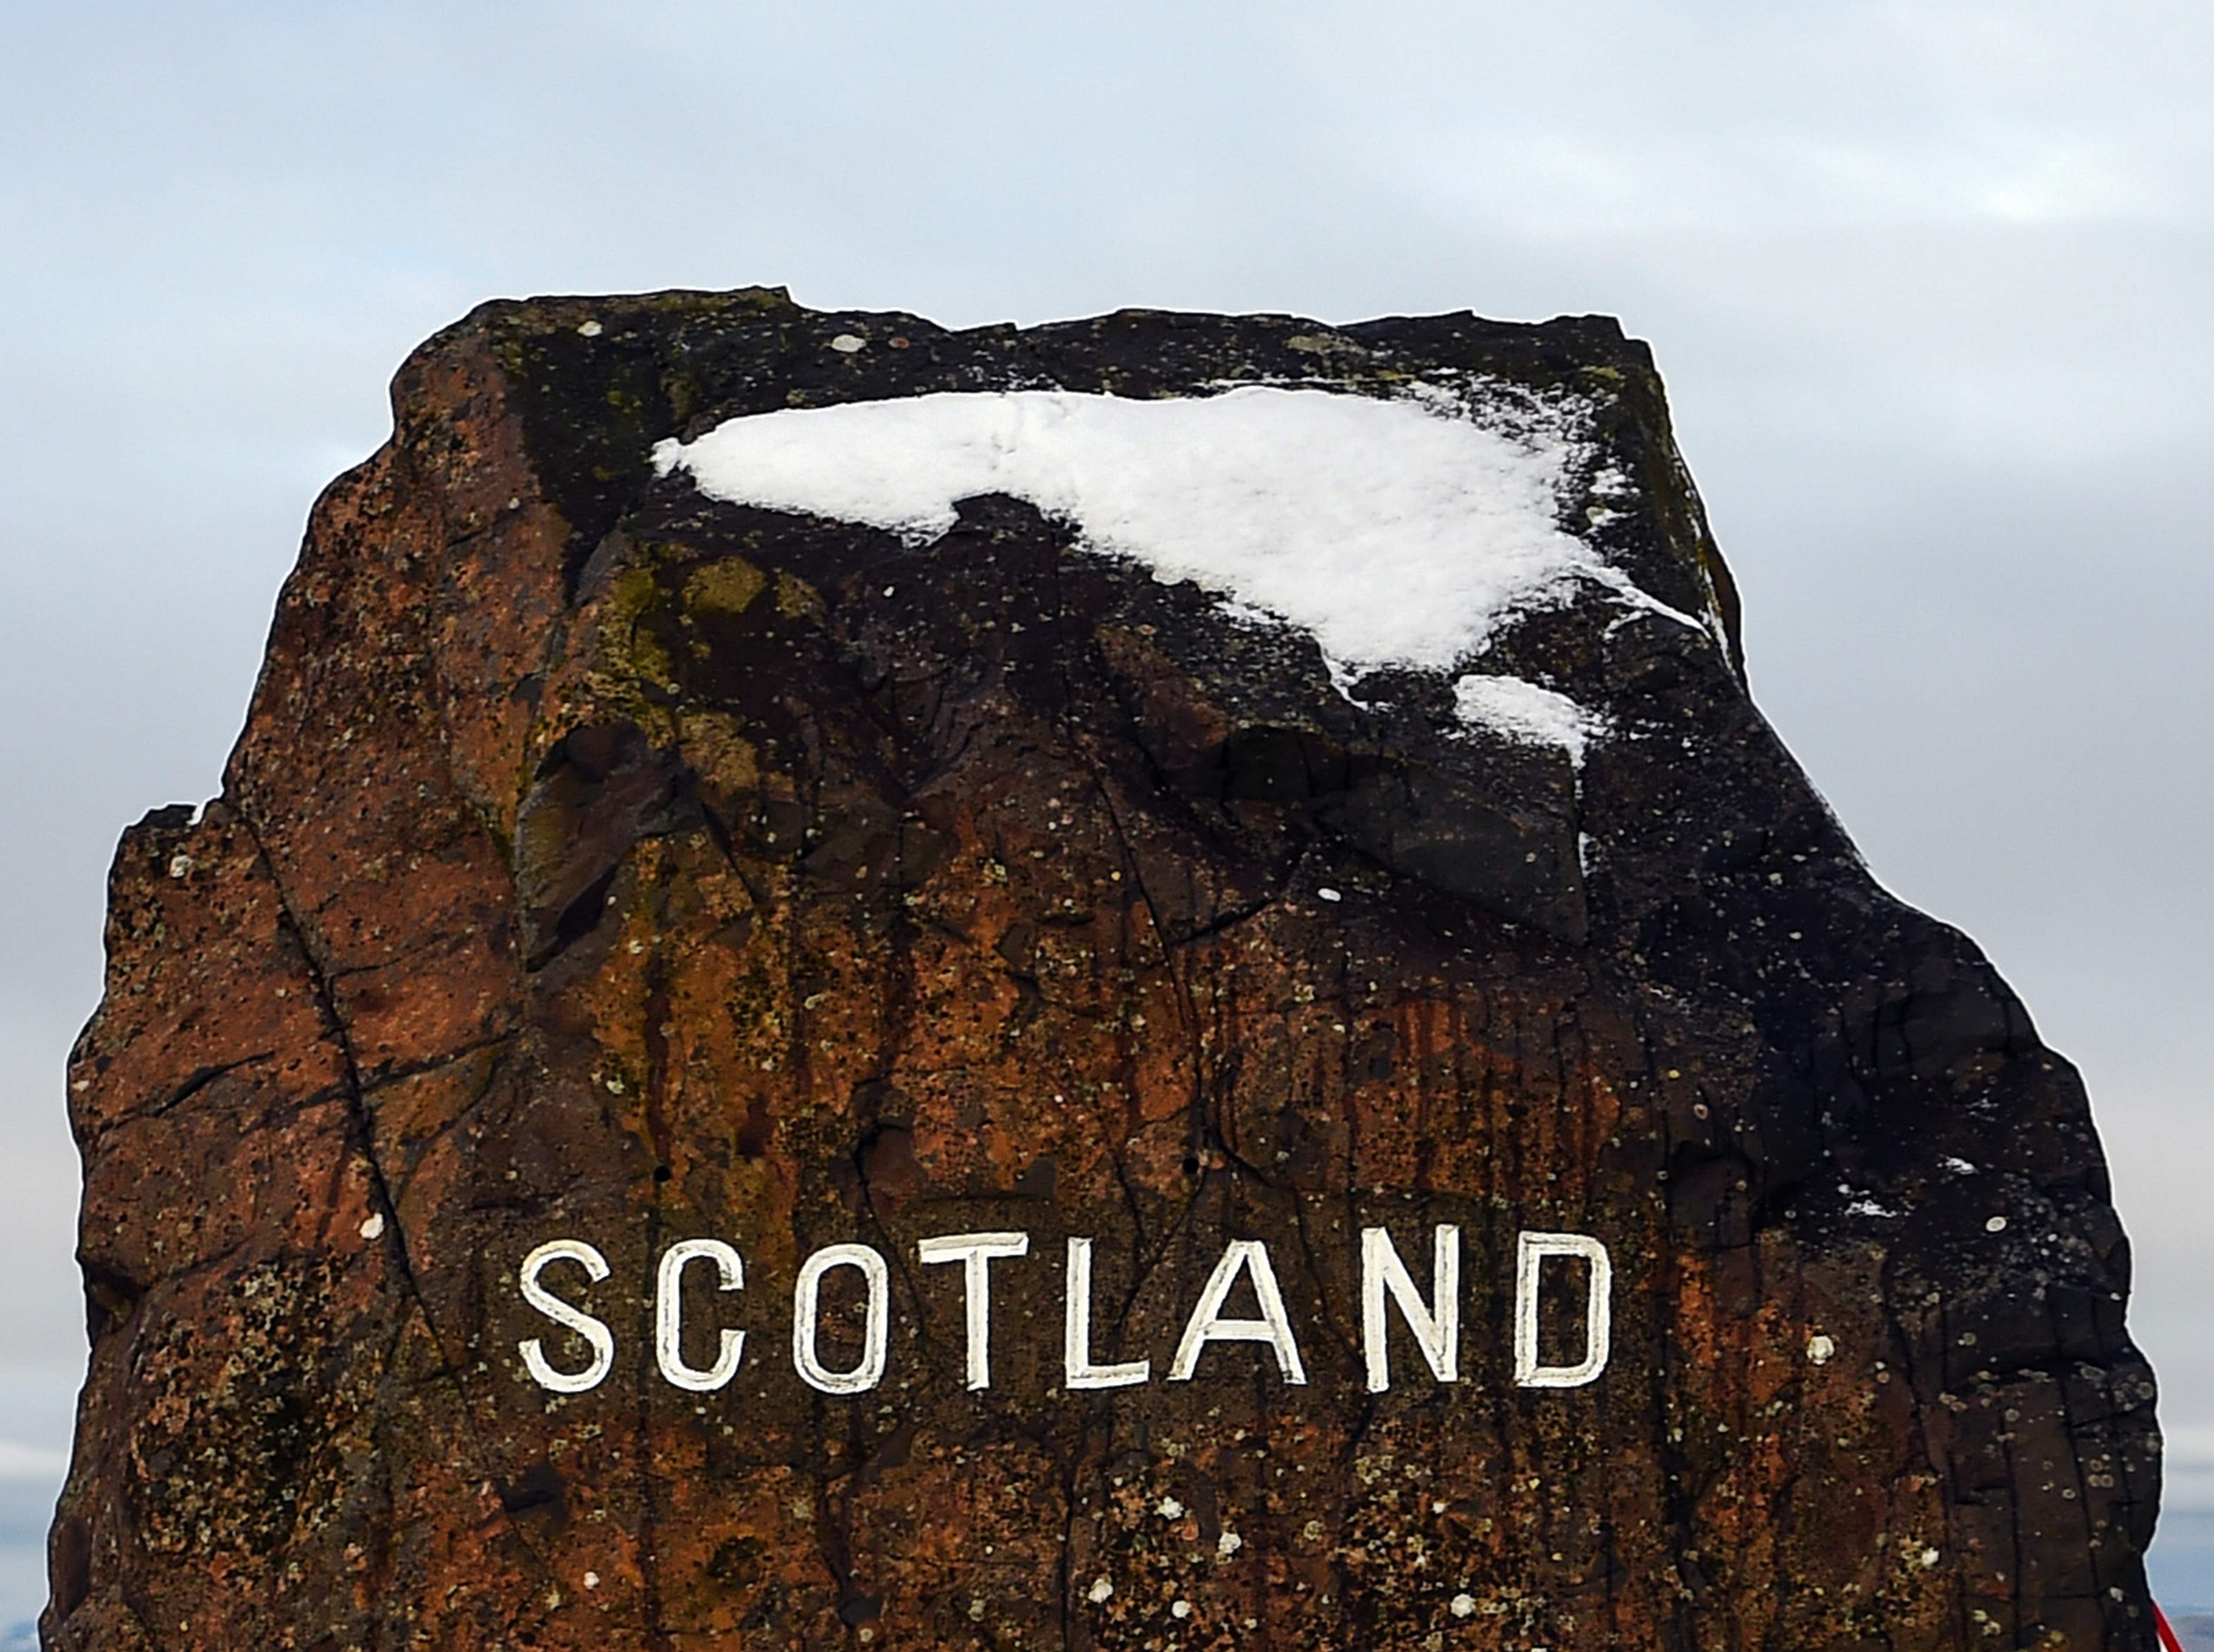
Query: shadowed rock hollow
x=609, y=858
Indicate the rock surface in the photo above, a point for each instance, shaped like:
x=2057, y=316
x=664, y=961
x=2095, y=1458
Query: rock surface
x=601, y=861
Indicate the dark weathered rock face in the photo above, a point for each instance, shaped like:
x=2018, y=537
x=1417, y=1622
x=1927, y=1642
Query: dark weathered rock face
x=603, y=863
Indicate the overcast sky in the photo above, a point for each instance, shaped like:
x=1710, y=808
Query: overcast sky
x=1929, y=283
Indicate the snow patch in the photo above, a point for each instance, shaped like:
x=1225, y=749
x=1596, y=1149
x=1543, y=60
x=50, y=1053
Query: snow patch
x=1868, y=1208
x=1523, y=711
x=1399, y=533
x=1860, y=1204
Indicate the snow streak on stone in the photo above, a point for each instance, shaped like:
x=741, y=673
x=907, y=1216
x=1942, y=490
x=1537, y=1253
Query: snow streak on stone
x=1522, y=711
x=1397, y=535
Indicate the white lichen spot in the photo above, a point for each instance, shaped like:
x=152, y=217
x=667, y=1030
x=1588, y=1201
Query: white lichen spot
x=1180, y=1609
x=1170, y=1509
x=1929, y=1558
x=1228, y=1545
x=846, y=343
x=591, y=330
x=180, y=865
x=975, y=1611
x=1463, y=1606
x=1329, y=894
x=591, y=1579
x=1820, y=1347
x=1996, y=1225
x=1102, y=1588
x=373, y=1227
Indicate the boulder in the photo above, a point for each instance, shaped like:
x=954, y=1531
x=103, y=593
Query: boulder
x=1143, y=982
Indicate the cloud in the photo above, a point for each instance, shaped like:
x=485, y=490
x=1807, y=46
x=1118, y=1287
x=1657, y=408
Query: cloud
x=22, y=1462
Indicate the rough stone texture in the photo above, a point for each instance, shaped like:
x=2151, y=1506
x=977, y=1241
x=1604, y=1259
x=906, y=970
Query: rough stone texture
x=599, y=861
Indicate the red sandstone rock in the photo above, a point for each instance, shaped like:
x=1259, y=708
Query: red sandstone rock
x=603, y=863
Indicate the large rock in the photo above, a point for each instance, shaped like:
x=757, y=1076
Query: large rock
x=611, y=861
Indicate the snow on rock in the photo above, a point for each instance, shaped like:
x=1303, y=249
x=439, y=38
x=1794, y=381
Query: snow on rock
x=1524, y=712
x=1397, y=532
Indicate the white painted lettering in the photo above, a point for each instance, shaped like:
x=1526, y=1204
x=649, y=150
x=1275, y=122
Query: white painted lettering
x=1207, y=1325
x=1436, y=1327
x=976, y=1254
x=1431, y=1314
x=1077, y=1369
x=669, y=1314
x=1530, y=1251
x=806, y=1309
x=594, y=1332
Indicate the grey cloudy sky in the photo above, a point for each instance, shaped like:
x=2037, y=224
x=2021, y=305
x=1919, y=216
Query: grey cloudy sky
x=1929, y=282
